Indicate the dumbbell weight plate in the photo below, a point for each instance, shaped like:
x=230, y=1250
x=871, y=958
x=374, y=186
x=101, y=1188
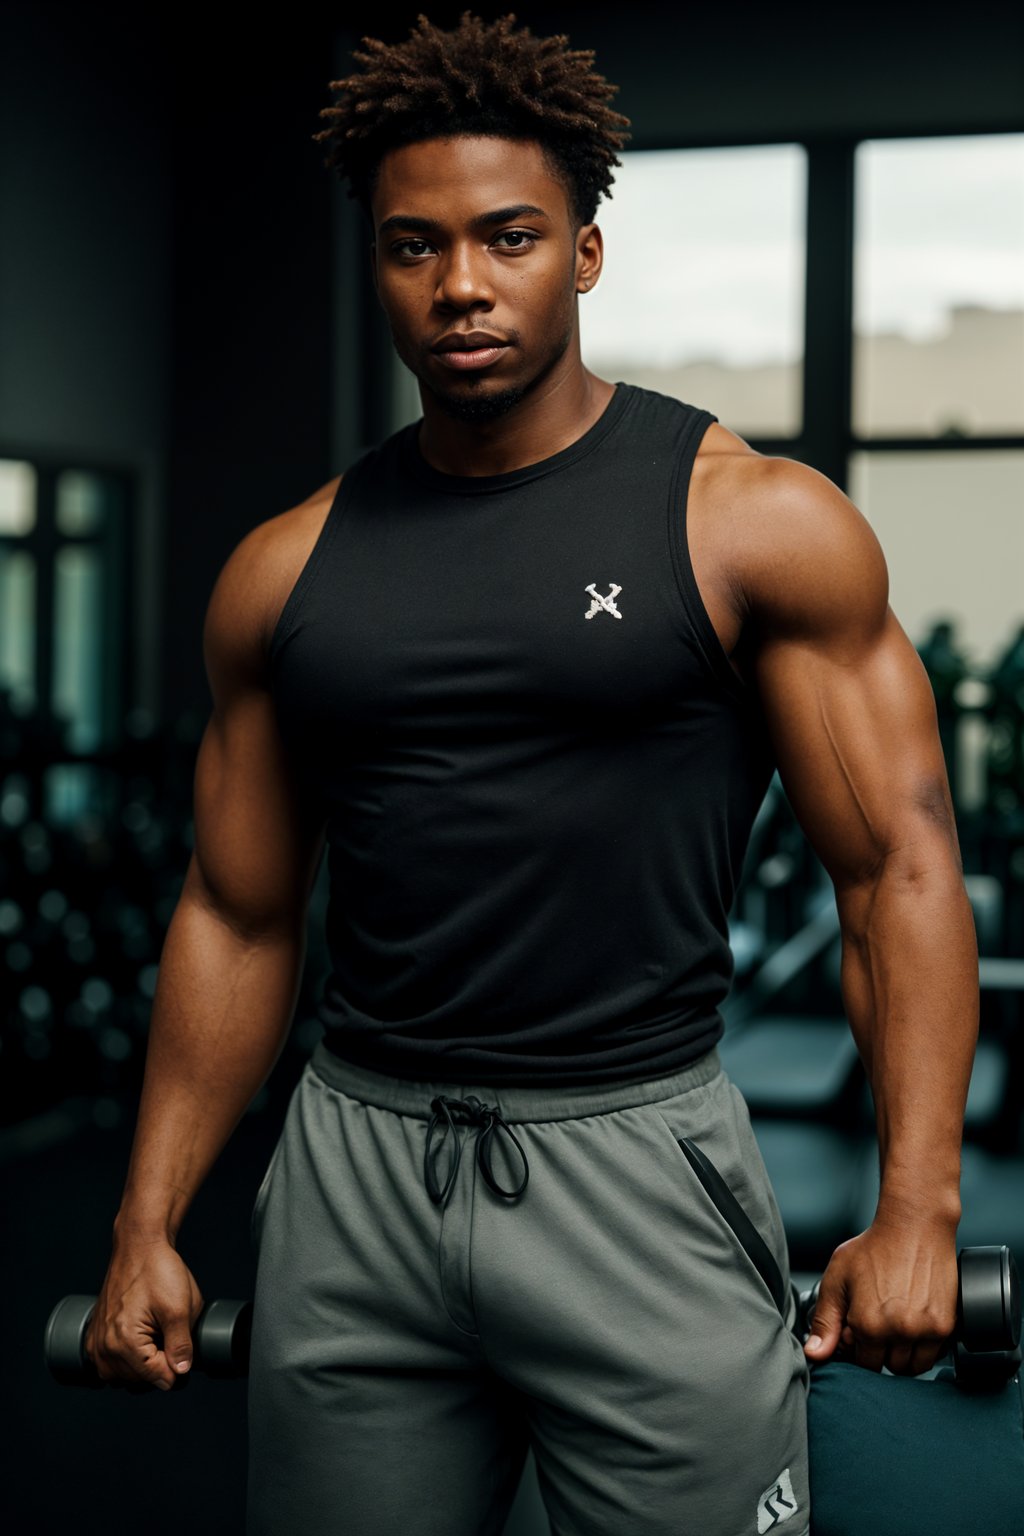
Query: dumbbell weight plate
x=987, y=1350
x=988, y=1305
x=222, y=1336
x=64, y=1342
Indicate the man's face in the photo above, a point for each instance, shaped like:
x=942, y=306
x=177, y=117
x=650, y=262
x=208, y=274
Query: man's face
x=476, y=235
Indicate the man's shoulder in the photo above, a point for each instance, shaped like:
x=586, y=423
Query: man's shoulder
x=256, y=579
x=785, y=536
x=277, y=542
x=769, y=499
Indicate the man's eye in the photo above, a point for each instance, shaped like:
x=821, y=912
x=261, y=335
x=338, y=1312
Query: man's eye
x=521, y=237
x=404, y=247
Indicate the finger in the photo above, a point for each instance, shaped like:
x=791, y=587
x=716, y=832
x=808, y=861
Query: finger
x=160, y=1346
x=846, y=1349
x=155, y=1369
x=898, y=1357
x=129, y=1356
x=122, y=1377
x=869, y=1353
x=119, y=1369
x=827, y=1322
x=177, y=1342
x=925, y=1354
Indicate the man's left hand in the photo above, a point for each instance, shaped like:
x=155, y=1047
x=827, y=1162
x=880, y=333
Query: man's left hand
x=888, y=1298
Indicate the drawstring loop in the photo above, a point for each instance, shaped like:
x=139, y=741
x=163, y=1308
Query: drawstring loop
x=468, y=1111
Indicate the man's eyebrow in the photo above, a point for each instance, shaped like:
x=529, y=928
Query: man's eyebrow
x=428, y=226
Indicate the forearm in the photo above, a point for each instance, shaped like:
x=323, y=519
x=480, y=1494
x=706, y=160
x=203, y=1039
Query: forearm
x=910, y=986
x=220, y=1016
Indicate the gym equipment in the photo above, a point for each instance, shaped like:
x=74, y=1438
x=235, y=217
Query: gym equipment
x=220, y=1342
x=817, y=1174
x=986, y=1350
x=790, y=1065
x=1005, y=712
x=947, y=668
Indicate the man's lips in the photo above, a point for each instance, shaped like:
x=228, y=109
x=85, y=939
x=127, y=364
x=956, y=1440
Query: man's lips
x=474, y=357
x=468, y=350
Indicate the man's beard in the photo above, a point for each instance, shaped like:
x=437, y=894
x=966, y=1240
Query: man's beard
x=476, y=406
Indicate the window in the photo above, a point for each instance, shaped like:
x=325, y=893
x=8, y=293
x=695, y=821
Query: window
x=64, y=604
x=939, y=287
x=952, y=529
x=937, y=452
x=702, y=292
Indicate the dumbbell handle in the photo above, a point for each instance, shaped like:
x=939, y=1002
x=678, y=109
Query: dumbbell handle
x=220, y=1341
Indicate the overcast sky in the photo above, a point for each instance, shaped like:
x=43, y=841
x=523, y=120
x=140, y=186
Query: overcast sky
x=704, y=248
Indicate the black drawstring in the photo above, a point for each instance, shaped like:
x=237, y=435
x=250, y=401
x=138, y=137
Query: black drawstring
x=470, y=1112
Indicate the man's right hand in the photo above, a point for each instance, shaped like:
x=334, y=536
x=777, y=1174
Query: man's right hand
x=140, y=1333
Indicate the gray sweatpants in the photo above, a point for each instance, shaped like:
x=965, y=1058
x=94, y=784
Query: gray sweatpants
x=416, y=1329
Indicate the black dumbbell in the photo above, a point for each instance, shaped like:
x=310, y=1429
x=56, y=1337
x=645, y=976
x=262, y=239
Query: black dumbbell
x=220, y=1341
x=985, y=1349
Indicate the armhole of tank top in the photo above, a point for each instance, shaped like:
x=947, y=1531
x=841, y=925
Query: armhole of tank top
x=288, y=617
x=693, y=604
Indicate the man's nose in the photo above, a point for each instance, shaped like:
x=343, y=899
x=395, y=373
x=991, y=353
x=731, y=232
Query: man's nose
x=464, y=279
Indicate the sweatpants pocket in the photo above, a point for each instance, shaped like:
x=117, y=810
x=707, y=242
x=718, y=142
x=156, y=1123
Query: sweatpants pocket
x=721, y=1169
x=732, y=1212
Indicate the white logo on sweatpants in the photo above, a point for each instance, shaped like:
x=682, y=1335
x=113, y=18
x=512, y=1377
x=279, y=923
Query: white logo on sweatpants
x=776, y=1504
x=605, y=604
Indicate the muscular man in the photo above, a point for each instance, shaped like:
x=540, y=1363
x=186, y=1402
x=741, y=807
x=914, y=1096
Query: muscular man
x=528, y=668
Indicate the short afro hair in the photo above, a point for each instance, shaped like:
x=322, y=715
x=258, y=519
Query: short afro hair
x=480, y=78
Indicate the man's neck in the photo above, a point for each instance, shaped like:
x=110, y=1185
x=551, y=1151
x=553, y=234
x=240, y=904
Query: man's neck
x=551, y=417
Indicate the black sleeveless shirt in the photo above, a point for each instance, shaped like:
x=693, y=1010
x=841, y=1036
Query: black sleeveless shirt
x=538, y=767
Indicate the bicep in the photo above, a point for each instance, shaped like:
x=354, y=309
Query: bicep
x=258, y=838
x=846, y=697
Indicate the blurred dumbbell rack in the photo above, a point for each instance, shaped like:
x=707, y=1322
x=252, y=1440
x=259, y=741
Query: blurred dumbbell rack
x=93, y=853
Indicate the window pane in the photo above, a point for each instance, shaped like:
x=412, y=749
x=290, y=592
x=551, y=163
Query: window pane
x=952, y=528
x=18, y=625
x=939, y=286
x=81, y=502
x=17, y=497
x=702, y=292
x=78, y=645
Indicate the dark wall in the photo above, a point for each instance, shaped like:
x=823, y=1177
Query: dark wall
x=742, y=73
x=250, y=396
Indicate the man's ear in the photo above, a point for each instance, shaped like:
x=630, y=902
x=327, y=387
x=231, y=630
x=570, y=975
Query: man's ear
x=373, y=269
x=589, y=256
